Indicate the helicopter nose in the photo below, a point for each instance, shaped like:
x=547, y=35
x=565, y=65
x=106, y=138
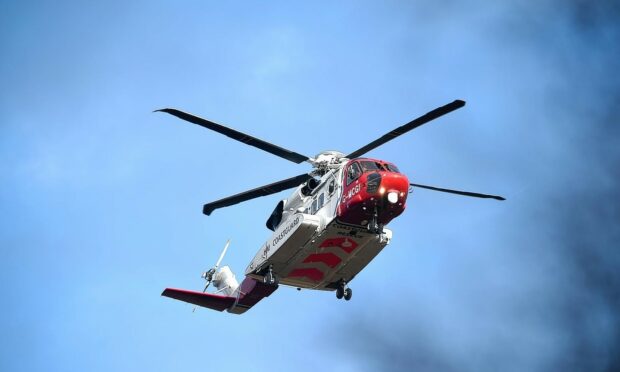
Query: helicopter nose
x=394, y=188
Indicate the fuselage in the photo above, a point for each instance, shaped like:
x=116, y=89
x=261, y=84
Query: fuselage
x=322, y=232
x=352, y=191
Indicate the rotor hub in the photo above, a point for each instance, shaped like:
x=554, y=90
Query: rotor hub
x=323, y=160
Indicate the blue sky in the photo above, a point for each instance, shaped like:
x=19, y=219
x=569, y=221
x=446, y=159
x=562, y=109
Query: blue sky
x=102, y=198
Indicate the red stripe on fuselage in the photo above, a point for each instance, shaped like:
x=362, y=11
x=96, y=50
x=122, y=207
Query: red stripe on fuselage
x=311, y=273
x=328, y=259
x=347, y=244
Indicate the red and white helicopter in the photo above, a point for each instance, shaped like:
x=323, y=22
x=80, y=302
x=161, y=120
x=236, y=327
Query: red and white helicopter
x=326, y=232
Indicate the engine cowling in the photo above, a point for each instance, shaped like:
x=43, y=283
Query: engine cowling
x=309, y=186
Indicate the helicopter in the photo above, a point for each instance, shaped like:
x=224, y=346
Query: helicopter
x=326, y=232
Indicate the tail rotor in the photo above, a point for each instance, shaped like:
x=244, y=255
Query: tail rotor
x=208, y=275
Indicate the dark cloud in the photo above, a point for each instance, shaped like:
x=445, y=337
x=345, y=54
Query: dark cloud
x=571, y=319
x=588, y=217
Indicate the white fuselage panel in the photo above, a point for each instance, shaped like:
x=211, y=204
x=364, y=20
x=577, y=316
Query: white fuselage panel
x=305, y=254
x=285, y=242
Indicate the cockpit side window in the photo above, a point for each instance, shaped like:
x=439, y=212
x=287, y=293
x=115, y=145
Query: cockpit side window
x=353, y=172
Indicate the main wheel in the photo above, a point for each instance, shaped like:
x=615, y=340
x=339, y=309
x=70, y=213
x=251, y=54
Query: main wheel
x=347, y=294
x=339, y=292
x=268, y=278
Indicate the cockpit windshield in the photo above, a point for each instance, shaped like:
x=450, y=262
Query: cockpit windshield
x=392, y=168
x=373, y=166
x=369, y=166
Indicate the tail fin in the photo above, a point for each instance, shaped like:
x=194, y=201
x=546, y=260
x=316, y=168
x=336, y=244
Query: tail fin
x=225, y=297
x=237, y=298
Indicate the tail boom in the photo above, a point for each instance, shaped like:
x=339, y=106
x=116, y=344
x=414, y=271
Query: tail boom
x=248, y=294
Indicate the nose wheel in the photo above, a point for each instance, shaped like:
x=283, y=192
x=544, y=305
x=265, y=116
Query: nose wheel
x=374, y=227
x=343, y=291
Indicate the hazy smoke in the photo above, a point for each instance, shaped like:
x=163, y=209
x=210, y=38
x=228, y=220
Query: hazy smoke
x=571, y=321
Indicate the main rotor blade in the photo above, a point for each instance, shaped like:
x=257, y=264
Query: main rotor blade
x=457, y=192
x=255, y=193
x=432, y=115
x=239, y=136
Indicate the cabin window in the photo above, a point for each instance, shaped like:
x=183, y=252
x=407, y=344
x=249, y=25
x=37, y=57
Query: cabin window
x=321, y=201
x=314, y=207
x=332, y=187
x=353, y=172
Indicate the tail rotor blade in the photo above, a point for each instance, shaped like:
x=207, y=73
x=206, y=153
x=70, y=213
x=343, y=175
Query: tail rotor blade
x=208, y=275
x=222, y=255
x=457, y=192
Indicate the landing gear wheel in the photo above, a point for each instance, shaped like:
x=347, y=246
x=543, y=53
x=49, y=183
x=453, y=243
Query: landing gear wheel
x=270, y=278
x=348, y=293
x=340, y=292
x=374, y=226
